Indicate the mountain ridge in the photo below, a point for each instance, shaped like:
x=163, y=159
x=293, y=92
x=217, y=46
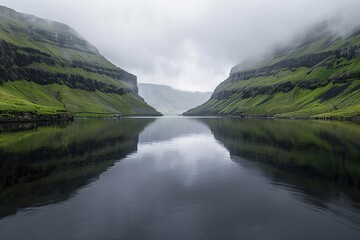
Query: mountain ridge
x=47, y=68
x=318, y=79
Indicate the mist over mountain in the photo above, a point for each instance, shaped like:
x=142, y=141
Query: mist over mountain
x=170, y=101
x=333, y=30
x=48, y=71
x=317, y=76
x=189, y=44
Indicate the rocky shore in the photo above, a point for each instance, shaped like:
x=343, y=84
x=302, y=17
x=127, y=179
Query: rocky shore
x=19, y=117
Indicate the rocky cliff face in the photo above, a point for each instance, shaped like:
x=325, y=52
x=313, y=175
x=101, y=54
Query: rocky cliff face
x=318, y=78
x=17, y=64
x=48, y=55
x=45, y=30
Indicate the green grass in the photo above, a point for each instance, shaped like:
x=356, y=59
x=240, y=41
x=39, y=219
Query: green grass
x=318, y=72
x=81, y=72
x=314, y=47
x=32, y=97
x=60, y=54
x=296, y=103
x=11, y=103
x=27, y=96
x=329, y=98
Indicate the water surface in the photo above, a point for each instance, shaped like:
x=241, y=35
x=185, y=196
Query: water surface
x=180, y=178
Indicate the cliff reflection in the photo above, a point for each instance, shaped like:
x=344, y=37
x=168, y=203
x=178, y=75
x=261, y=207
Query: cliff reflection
x=321, y=159
x=42, y=164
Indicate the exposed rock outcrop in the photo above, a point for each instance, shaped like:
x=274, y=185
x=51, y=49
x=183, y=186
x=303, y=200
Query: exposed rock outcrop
x=47, y=67
x=16, y=117
x=318, y=78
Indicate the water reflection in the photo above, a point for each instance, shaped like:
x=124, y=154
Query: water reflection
x=165, y=129
x=46, y=163
x=186, y=179
x=322, y=159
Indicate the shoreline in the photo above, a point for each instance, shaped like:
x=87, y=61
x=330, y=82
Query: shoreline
x=349, y=119
x=28, y=117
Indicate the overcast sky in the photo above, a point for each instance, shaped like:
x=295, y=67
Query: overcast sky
x=188, y=44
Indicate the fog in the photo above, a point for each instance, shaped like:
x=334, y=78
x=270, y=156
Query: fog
x=189, y=44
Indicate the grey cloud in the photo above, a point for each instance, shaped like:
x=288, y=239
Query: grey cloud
x=189, y=44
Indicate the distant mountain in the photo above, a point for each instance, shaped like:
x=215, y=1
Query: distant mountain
x=47, y=70
x=318, y=77
x=170, y=101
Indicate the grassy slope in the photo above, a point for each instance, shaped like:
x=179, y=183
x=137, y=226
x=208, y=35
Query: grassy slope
x=296, y=103
x=25, y=96
x=333, y=99
x=21, y=96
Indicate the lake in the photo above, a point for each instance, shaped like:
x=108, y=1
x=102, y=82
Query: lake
x=180, y=178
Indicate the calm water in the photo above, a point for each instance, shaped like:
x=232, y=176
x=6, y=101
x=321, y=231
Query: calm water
x=180, y=178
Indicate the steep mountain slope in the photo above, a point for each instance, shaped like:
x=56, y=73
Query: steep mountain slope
x=319, y=78
x=47, y=68
x=170, y=101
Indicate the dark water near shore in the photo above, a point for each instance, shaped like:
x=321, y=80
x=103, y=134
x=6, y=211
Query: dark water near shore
x=180, y=178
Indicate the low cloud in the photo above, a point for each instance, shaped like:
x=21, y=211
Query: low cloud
x=189, y=44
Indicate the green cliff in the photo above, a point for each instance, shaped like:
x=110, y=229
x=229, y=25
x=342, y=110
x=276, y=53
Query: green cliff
x=318, y=77
x=47, y=69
